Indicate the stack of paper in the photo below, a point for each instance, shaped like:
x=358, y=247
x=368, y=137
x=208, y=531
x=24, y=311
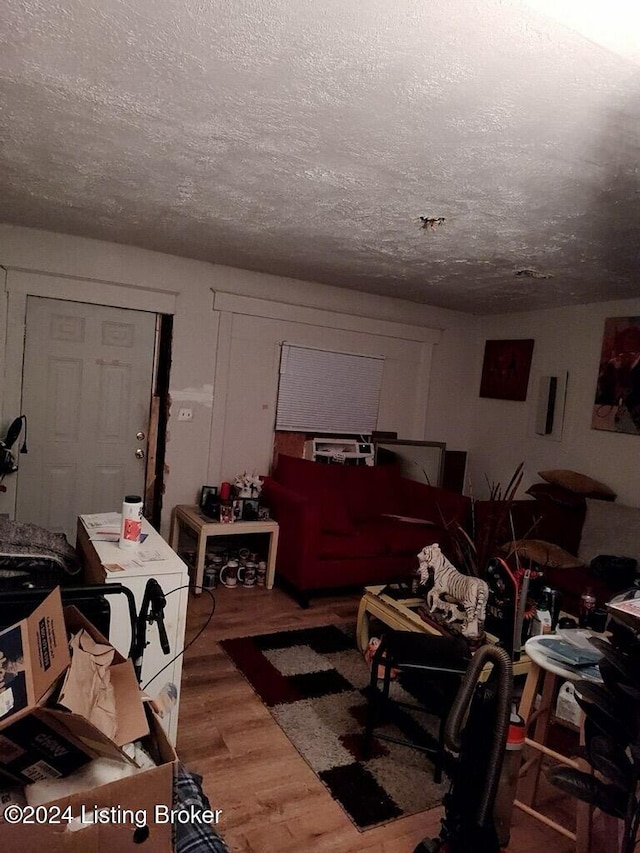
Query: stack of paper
x=103, y=526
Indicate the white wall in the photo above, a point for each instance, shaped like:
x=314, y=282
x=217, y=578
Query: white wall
x=194, y=449
x=499, y=434
x=248, y=368
x=566, y=339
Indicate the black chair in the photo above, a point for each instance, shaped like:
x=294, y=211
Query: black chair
x=430, y=668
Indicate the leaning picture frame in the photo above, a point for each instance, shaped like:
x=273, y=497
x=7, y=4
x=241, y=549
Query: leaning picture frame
x=250, y=508
x=206, y=492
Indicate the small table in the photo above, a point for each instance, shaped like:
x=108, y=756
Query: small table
x=396, y=614
x=185, y=517
x=551, y=672
x=402, y=615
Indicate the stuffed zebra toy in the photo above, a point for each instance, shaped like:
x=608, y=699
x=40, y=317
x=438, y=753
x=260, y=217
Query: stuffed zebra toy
x=449, y=583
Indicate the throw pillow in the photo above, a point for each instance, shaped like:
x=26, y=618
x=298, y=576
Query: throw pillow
x=579, y=483
x=372, y=490
x=321, y=484
x=610, y=529
x=548, y=492
x=542, y=553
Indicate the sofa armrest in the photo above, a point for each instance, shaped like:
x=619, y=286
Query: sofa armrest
x=439, y=506
x=299, y=522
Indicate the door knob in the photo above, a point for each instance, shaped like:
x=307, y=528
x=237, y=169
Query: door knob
x=139, y=453
x=140, y=436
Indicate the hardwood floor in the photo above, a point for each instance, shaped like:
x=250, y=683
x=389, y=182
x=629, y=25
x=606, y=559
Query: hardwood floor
x=270, y=799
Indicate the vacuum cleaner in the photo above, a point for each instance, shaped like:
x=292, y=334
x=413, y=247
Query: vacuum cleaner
x=476, y=730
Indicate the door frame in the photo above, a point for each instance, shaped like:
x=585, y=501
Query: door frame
x=19, y=286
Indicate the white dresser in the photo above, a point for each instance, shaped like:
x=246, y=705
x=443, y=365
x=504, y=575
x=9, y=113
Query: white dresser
x=172, y=574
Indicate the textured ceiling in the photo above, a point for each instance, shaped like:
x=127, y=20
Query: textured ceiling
x=306, y=138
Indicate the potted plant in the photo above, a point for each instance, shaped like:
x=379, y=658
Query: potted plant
x=472, y=552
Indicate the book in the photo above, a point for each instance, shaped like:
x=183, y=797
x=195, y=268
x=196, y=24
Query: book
x=566, y=653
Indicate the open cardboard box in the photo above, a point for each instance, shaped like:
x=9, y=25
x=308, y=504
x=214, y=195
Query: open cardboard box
x=35, y=654
x=128, y=816
x=41, y=742
x=128, y=701
x=38, y=741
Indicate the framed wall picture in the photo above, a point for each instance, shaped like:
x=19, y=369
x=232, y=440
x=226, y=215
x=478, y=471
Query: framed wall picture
x=616, y=406
x=505, y=369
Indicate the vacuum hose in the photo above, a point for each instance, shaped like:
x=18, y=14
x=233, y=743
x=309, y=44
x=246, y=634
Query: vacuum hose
x=455, y=721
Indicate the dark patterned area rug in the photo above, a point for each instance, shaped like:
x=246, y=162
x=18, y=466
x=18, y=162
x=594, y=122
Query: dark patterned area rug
x=314, y=683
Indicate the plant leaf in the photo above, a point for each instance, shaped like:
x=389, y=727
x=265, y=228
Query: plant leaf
x=605, y=714
x=609, y=758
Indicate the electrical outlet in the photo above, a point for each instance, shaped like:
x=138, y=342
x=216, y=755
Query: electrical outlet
x=185, y=414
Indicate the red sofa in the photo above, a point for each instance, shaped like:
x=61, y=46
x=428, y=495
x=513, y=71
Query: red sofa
x=559, y=519
x=337, y=527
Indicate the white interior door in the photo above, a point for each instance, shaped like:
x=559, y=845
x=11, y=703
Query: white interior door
x=87, y=383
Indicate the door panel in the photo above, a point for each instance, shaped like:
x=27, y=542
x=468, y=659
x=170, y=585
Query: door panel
x=87, y=384
x=65, y=382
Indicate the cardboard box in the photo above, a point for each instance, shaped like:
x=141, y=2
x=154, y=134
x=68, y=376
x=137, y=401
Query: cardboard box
x=132, y=723
x=35, y=653
x=118, y=816
x=41, y=742
x=126, y=816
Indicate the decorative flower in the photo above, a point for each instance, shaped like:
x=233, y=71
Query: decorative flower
x=248, y=485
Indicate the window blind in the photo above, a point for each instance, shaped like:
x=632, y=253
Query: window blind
x=325, y=391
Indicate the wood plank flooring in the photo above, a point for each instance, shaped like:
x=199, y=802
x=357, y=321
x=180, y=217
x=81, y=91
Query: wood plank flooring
x=271, y=801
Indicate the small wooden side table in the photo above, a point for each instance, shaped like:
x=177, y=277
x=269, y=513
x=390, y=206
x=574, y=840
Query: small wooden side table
x=551, y=673
x=189, y=518
x=402, y=615
x=395, y=614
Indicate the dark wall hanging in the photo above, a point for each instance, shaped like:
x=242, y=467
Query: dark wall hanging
x=505, y=370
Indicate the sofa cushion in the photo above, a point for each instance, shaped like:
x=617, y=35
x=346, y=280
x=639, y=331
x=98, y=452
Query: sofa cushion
x=610, y=528
x=361, y=544
x=579, y=483
x=334, y=517
x=542, y=553
x=322, y=485
x=306, y=477
x=400, y=537
x=371, y=490
x=440, y=506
